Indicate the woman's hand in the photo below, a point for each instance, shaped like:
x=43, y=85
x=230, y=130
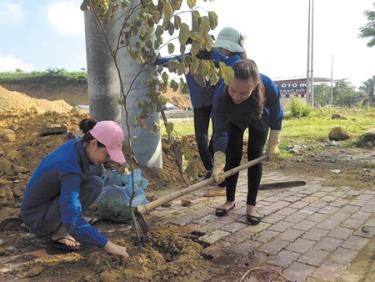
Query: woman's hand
x=117, y=250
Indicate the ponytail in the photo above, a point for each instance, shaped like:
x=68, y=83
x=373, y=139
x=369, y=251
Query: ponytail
x=85, y=126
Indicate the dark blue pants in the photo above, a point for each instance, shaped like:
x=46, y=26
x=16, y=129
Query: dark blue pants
x=201, y=124
x=46, y=218
x=256, y=142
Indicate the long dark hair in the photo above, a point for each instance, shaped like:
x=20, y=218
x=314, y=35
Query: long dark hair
x=85, y=126
x=247, y=69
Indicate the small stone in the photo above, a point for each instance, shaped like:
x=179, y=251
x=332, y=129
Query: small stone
x=338, y=134
x=166, y=205
x=335, y=171
x=365, y=229
x=186, y=203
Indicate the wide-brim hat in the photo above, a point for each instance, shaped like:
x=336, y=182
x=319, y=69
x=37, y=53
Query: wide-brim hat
x=229, y=39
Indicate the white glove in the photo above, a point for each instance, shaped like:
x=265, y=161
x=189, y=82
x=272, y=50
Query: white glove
x=219, y=164
x=273, y=151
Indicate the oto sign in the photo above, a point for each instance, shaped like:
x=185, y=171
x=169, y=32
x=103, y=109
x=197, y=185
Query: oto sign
x=292, y=87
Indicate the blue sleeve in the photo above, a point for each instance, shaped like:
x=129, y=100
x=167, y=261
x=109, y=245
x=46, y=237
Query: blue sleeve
x=164, y=60
x=71, y=213
x=220, y=122
x=273, y=103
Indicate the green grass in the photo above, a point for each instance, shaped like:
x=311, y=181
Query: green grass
x=50, y=77
x=312, y=129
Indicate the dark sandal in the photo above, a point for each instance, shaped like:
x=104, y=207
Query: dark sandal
x=92, y=220
x=61, y=246
x=254, y=220
x=221, y=211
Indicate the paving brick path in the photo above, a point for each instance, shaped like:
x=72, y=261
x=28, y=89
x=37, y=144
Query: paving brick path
x=310, y=233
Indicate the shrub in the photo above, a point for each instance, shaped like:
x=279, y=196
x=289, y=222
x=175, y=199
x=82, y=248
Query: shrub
x=299, y=108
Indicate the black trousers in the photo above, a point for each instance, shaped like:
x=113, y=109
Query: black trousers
x=201, y=124
x=256, y=142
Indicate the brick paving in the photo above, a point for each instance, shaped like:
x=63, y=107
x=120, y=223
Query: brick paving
x=311, y=233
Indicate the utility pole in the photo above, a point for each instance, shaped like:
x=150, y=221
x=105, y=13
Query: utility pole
x=331, y=96
x=310, y=55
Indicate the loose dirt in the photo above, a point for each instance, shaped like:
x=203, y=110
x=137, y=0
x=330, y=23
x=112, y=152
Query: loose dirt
x=12, y=100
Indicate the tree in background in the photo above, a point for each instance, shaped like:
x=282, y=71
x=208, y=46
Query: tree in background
x=369, y=87
x=322, y=95
x=345, y=95
x=368, y=31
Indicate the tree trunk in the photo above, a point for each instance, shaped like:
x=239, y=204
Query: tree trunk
x=104, y=90
x=103, y=80
x=146, y=142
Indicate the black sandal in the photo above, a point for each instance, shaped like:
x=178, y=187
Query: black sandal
x=254, y=220
x=222, y=211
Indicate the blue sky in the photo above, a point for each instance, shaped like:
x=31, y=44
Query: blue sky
x=39, y=34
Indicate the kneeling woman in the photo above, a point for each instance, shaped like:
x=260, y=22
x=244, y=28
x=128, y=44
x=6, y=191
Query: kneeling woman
x=67, y=182
x=250, y=101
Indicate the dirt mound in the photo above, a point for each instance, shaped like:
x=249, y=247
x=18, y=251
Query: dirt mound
x=178, y=99
x=12, y=100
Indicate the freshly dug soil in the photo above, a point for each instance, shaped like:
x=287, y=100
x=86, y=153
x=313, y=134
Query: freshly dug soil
x=12, y=100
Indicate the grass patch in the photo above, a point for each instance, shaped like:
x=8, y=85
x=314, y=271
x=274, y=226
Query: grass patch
x=309, y=130
x=51, y=77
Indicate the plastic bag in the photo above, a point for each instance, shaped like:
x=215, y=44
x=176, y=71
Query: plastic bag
x=113, y=203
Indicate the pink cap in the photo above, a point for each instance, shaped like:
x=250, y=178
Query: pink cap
x=110, y=134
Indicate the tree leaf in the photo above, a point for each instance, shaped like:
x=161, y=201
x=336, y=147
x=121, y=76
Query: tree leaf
x=195, y=19
x=167, y=10
x=226, y=72
x=164, y=77
x=191, y=3
x=177, y=21
x=171, y=28
x=184, y=33
x=174, y=85
x=170, y=48
x=213, y=19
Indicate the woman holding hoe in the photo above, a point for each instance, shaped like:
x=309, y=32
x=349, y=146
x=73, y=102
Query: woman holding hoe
x=251, y=100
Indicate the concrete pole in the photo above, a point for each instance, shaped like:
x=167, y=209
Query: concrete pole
x=145, y=142
x=312, y=54
x=308, y=93
x=103, y=81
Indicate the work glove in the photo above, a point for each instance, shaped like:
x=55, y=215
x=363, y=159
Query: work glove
x=273, y=151
x=219, y=164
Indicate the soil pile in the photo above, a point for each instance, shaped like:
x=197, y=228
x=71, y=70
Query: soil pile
x=178, y=99
x=12, y=100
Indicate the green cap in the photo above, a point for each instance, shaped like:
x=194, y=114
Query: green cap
x=229, y=39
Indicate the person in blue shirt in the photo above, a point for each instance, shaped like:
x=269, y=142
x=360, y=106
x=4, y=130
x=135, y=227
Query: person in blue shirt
x=201, y=100
x=67, y=182
x=252, y=101
x=228, y=48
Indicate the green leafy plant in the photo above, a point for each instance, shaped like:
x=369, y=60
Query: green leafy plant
x=299, y=108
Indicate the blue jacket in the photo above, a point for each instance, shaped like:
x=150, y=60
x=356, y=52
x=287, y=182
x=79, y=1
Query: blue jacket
x=60, y=174
x=242, y=115
x=199, y=96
